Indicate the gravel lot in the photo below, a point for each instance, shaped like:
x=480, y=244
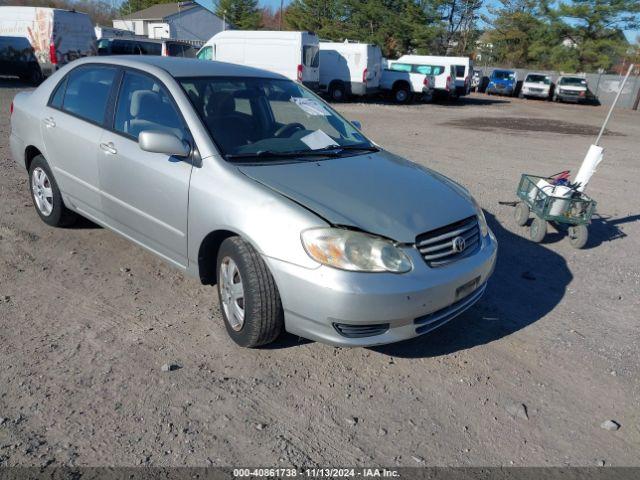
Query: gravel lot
x=526, y=377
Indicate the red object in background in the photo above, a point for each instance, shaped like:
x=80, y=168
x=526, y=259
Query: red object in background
x=300, y=73
x=364, y=76
x=53, y=56
x=11, y=109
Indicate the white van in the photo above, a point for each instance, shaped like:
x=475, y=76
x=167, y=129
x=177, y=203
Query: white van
x=295, y=55
x=57, y=36
x=349, y=69
x=463, y=68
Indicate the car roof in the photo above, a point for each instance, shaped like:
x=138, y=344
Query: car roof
x=182, y=67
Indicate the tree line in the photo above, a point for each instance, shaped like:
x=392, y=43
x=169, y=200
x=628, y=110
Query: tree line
x=567, y=35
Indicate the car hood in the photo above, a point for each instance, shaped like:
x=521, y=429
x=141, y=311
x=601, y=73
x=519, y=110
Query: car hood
x=574, y=88
x=502, y=81
x=379, y=193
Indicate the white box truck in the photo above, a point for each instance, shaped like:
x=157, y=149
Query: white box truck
x=295, y=55
x=349, y=68
x=57, y=36
x=463, y=68
x=404, y=83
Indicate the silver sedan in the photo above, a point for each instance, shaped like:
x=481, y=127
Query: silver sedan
x=249, y=181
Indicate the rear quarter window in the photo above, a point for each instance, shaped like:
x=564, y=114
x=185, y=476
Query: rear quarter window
x=460, y=69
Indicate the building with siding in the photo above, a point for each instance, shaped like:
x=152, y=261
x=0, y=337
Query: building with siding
x=193, y=21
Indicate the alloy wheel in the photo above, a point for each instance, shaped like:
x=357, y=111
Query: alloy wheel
x=42, y=192
x=232, y=293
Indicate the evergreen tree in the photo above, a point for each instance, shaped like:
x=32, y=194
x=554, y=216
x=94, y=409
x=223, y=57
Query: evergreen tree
x=241, y=14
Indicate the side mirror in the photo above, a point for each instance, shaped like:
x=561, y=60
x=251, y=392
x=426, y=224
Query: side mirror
x=356, y=124
x=162, y=142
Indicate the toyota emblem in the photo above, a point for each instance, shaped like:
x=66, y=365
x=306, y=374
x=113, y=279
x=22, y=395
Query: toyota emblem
x=459, y=244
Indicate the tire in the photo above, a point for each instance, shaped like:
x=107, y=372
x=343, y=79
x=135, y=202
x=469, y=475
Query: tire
x=262, y=314
x=537, y=230
x=401, y=94
x=337, y=92
x=46, y=195
x=578, y=236
x=521, y=95
x=555, y=98
x=521, y=214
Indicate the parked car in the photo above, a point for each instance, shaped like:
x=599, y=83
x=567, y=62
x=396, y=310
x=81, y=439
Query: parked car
x=145, y=46
x=403, y=83
x=537, y=85
x=296, y=55
x=463, y=68
x=56, y=36
x=502, y=82
x=245, y=179
x=571, y=88
x=18, y=59
x=348, y=68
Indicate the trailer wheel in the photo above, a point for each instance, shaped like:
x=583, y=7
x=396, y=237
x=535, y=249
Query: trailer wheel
x=521, y=214
x=538, y=230
x=578, y=236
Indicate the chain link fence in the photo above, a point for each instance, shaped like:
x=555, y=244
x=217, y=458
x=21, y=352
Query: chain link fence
x=603, y=86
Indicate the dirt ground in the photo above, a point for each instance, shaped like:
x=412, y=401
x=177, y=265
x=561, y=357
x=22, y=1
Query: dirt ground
x=526, y=377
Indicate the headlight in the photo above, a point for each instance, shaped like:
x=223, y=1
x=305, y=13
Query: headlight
x=354, y=251
x=482, y=221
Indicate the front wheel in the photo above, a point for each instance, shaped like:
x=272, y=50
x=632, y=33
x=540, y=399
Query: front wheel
x=537, y=230
x=578, y=236
x=248, y=295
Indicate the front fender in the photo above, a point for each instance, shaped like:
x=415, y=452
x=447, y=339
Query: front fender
x=222, y=198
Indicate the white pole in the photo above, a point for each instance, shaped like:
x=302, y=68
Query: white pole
x=606, y=120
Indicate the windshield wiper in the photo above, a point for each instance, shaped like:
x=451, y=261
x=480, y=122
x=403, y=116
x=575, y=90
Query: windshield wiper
x=331, y=150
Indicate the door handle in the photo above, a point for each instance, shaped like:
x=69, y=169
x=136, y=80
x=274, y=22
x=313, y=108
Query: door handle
x=109, y=148
x=49, y=122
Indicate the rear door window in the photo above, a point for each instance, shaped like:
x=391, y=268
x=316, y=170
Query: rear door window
x=88, y=91
x=460, y=69
x=123, y=47
x=311, y=56
x=149, y=48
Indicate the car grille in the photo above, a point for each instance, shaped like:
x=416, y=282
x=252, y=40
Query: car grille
x=569, y=92
x=536, y=90
x=433, y=320
x=437, y=247
x=359, y=331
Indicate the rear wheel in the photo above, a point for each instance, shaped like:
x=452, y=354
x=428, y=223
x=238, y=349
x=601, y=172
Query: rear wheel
x=249, y=298
x=401, y=94
x=46, y=195
x=337, y=92
x=537, y=230
x=578, y=236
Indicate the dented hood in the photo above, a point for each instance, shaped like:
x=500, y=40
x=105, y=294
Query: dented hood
x=378, y=192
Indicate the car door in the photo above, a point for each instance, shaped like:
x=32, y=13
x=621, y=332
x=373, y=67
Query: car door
x=71, y=126
x=145, y=195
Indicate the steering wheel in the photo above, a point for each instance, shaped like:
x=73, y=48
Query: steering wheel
x=289, y=126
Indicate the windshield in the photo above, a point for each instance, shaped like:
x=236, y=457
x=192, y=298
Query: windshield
x=574, y=81
x=268, y=118
x=538, y=79
x=503, y=75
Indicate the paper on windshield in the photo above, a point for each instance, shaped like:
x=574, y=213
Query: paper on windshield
x=318, y=140
x=311, y=106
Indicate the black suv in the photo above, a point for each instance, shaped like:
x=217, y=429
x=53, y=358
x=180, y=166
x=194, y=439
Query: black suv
x=18, y=59
x=135, y=46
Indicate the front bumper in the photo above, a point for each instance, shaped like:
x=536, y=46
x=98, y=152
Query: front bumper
x=531, y=93
x=500, y=90
x=571, y=98
x=314, y=300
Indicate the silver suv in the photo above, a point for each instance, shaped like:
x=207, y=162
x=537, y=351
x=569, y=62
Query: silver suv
x=247, y=180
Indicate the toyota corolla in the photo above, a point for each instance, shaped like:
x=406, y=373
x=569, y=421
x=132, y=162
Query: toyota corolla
x=248, y=181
